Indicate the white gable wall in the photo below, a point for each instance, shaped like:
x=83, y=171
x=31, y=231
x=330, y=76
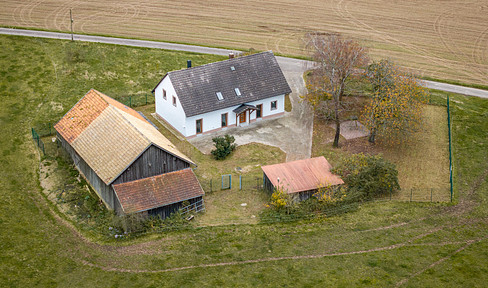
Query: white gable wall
x=165, y=108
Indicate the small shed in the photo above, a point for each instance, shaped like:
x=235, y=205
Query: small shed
x=301, y=177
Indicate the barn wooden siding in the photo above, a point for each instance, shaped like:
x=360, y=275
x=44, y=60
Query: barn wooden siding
x=153, y=161
x=268, y=186
x=304, y=195
x=105, y=192
x=167, y=210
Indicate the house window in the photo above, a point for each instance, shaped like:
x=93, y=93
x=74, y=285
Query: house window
x=259, y=111
x=164, y=94
x=199, y=126
x=224, y=120
x=219, y=96
x=274, y=105
x=174, y=101
x=238, y=92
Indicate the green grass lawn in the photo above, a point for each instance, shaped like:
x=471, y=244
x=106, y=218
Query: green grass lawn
x=381, y=244
x=224, y=207
x=422, y=160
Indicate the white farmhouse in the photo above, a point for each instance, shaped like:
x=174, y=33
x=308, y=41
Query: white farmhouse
x=234, y=92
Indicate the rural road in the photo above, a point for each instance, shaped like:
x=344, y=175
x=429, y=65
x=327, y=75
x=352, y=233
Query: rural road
x=289, y=62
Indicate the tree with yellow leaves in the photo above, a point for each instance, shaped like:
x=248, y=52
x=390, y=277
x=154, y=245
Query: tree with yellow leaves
x=395, y=109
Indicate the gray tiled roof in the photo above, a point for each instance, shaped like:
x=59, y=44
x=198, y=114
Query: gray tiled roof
x=257, y=76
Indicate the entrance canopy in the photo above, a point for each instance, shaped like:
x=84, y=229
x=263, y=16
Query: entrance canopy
x=244, y=108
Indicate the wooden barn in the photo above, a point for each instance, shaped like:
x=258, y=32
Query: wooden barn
x=112, y=144
x=300, y=178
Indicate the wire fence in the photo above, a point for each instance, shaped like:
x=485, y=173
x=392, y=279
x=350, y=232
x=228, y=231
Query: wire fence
x=229, y=181
x=245, y=182
x=44, y=130
x=37, y=139
x=135, y=100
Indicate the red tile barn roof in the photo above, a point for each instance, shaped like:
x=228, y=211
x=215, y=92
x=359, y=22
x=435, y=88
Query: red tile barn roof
x=86, y=111
x=302, y=175
x=161, y=190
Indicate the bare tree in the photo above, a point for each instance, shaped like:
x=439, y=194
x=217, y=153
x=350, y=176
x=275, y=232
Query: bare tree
x=336, y=58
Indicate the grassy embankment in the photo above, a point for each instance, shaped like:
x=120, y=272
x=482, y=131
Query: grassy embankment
x=381, y=244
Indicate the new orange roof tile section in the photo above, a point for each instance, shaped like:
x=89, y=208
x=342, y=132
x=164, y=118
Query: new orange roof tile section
x=161, y=190
x=302, y=175
x=121, y=106
x=81, y=116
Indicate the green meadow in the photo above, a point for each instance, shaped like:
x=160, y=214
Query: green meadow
x=380, y=244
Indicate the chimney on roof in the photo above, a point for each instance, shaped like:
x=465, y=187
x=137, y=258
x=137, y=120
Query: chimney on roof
x=231, y=55
x=188, y=63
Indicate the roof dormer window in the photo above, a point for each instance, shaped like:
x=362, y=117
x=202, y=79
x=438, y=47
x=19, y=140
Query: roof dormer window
x=238, y=92
x=219, y=96
x=232, y=68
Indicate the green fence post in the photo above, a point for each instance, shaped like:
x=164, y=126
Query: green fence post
x=431, y=190
x=240, y=182
x=130, y=101
x=146, y=98
x=390, y=194
x=450, y=141
x=411, y=193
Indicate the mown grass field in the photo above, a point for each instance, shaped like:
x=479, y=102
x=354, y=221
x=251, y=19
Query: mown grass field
x=422, y=160
x=382, y=244
x=443, y=40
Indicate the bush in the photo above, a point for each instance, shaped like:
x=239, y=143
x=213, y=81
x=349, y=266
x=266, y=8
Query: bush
x=280, y=199
x=224, y=145
x=370, y=176
x=331, y=195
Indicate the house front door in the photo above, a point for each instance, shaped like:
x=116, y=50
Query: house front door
x=242, y=117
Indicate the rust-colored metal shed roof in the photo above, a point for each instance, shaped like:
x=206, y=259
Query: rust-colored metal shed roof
x=158, y=191
x=302, y=175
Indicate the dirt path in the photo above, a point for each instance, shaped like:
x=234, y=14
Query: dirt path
x=313, y=256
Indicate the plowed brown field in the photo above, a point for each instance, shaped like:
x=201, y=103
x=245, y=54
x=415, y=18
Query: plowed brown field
x=442, y=39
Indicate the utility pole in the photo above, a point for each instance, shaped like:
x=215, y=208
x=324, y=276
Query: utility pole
x=71, y=20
